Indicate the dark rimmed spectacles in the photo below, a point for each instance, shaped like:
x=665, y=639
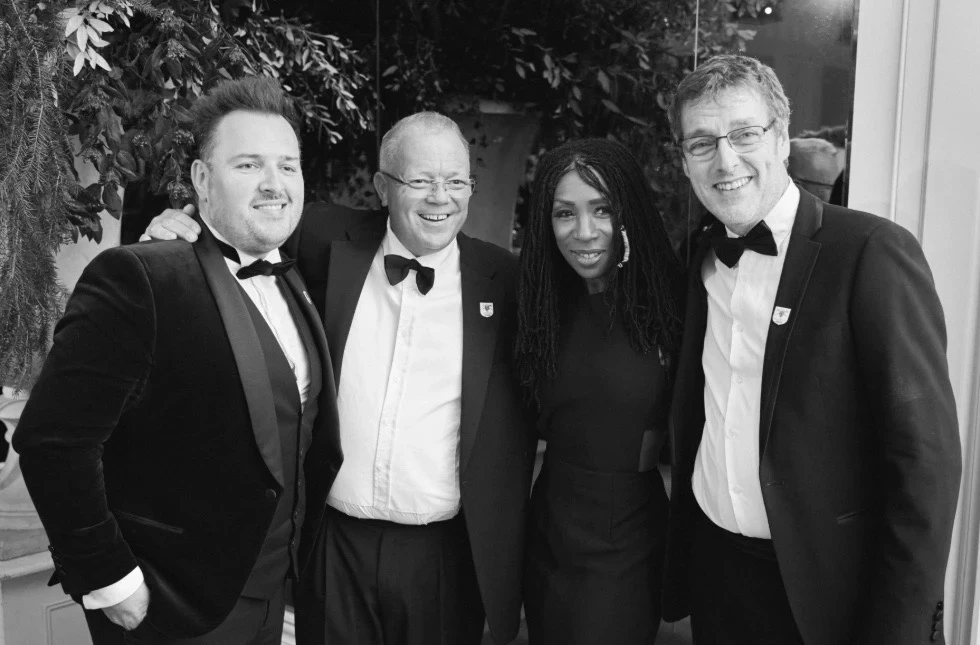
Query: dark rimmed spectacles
x=455, y=186
x=740, y=139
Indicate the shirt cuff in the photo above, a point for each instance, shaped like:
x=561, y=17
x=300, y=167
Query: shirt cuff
x=114, y=593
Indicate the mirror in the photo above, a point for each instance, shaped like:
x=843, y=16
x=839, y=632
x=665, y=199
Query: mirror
x=811, y=45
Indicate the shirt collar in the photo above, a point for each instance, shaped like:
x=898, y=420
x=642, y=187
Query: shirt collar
x=391, y=244
x=245, y=258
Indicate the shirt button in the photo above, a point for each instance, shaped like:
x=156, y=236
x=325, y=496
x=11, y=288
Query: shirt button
x=738, y=379
x=737, y=490
x=730, y=433
x=738, y=327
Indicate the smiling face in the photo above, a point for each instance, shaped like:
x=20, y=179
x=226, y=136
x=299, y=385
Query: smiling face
x=738, y=188
x=426, y=220
x=250, y=190
x=582, y=219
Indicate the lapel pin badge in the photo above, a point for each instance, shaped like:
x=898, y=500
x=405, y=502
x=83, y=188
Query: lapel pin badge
x=486, y=309
x=780, y=315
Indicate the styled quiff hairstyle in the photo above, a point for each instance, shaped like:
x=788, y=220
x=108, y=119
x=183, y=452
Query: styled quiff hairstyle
x=643, y=293
x=259, y=94
x=725, y=72
x=428, y=122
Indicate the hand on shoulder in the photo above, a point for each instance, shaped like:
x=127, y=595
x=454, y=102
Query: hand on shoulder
x=172, y=224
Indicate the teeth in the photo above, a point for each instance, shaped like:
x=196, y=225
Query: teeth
x=590, y=255
x=271, y=207
x=434, y=218
x=733, y=185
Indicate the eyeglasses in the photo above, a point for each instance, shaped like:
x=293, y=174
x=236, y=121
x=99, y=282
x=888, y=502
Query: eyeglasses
x=741, y=140
x=455, y=186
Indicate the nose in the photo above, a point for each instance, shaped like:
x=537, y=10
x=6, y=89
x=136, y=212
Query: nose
x=584, y=228
x=726, y=157
x=438, y=194
x=271, y=181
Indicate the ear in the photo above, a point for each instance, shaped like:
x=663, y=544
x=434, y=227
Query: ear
x=381, y=186
x=782, y=147
x=687, y=173
x=201, y=178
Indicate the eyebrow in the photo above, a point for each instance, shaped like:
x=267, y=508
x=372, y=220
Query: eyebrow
x=591, y=202
x=257, y=157
x=704, y=132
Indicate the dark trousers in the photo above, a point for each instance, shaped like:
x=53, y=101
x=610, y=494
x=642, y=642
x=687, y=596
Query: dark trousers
x=392, y=584
x=252, y=621
x=737, y=593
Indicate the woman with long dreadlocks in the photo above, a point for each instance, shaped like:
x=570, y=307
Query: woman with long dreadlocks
x=598, y=325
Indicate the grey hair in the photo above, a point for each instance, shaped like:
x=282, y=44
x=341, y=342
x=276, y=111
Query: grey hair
x=726, y=72
x=429, y=122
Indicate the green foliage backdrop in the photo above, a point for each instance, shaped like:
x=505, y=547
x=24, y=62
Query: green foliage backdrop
x=119, y=76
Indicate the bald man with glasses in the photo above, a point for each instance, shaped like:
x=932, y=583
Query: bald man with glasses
x=423, y=536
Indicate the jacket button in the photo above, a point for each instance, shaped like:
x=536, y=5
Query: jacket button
x=934, y=636
x=270, y=494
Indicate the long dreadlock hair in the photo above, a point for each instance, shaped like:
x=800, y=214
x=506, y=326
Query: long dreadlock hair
x=643, y=292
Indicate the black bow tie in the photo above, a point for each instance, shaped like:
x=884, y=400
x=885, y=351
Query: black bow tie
x=397, y=268
x=730, y=249
x=263, y=267
x=259, y=267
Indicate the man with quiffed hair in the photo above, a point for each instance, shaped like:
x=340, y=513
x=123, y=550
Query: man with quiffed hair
x=183, y=432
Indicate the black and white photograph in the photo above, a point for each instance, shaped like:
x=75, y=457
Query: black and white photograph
x=455, y=322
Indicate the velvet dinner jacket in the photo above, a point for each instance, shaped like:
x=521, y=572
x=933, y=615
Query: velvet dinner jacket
x=335, y=247
x=151, y=436
x=860, y=453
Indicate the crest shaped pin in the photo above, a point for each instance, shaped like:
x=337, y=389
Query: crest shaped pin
x=780, y=315
x=486, y=309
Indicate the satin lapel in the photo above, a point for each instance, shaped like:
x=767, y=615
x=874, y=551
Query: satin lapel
x=479, y=341
x=349, y=265
x=801, y=257
x=687, y=409
x=246, y=348
x=298, y=288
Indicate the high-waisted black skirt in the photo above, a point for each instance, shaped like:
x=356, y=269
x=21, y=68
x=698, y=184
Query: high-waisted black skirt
x=595, y=556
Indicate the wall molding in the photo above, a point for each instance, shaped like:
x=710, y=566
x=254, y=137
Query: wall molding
x=913, y=160
x=49, y=609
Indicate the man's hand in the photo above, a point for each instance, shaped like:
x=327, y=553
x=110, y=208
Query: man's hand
x=171, y=224
x=129, y=613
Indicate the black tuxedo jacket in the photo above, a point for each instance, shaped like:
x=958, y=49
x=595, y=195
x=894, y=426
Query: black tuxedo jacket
x=335, y=247
x=146, y=438
x=860, y=453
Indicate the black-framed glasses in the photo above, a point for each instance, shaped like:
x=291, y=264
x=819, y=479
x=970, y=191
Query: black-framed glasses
x=453, y=186
x=741, y=140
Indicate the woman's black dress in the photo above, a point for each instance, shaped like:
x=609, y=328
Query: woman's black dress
x=599, y=510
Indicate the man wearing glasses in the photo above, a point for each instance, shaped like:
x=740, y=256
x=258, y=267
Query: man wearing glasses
x=816, y=457
x=424, y=530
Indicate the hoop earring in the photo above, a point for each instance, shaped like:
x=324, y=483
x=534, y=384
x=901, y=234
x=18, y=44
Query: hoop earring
x=626, y=247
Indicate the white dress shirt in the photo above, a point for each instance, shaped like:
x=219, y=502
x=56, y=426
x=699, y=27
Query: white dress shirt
x=740, y=306
x=268, y=299
x=399, y=394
